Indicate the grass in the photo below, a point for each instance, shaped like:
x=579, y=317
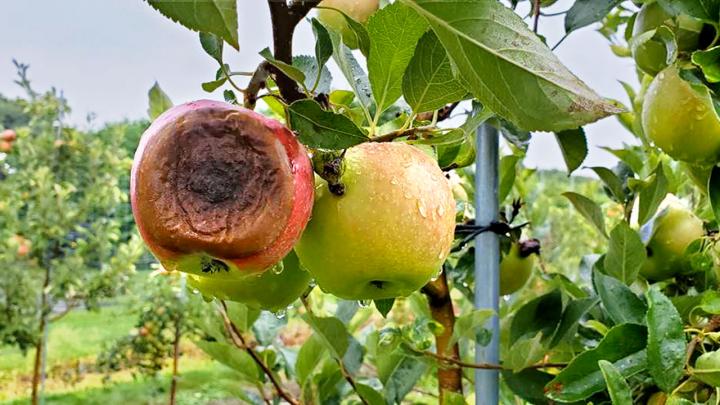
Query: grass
x=74, y=343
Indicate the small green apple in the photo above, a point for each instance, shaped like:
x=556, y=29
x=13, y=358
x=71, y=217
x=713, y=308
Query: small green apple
x=358, y=10
x=650, y=56
x=670, y=233
x=391, y=230
x=680, y=118
x=272, y=290
x=516, y=266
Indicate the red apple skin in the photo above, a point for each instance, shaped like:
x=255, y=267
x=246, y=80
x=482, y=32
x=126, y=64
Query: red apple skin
x=185, y=250
x=8, y=135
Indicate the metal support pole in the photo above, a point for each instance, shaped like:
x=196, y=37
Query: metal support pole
x=487, y=259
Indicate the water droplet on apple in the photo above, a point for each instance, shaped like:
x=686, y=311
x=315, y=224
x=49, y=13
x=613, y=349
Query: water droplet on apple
x=421, y=209
x=394, y=181
x=278, y=268
x=195, y=291
x=440, y=210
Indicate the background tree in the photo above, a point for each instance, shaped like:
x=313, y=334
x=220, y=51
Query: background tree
x=61, y=240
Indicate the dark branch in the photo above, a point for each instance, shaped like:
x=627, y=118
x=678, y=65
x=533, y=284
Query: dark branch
x=284, y=20
x=443, y=113
x=257, y=82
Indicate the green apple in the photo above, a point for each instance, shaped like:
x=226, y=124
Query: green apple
x=670, y=233
x=707, y=368
x=650, y=56
x=391, y=230
x=358, y=10
x=272, y=290
x=516, y=265
x=680, y=119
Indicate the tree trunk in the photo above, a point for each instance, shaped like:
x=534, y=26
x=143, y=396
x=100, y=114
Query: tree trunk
x=441, y=308
x=176, y=360
x=38, y=366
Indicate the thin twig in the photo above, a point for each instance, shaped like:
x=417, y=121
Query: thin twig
x=442, y=114
x=239, y=341
x=410, y=133
x=484, y=366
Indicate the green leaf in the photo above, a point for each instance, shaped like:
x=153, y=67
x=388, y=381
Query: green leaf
x=384, y=306
x=707, y=10
x=453, y=398
x=241, y=315
x=394, y=32
x=588, y=209
x=709, y=62
x=528, y=384
x=652, y=195
x=662, y=36
x=428, y=83
x=573, y=146
x=585, y=12
x=525, y=352
x=229, y=355
x=213, y=85
x=626, y=254
x=308, y=358
x=511, y=71
x=217, y=17
x=666, y=347
x=332, y=332
x=618, y=388
x=212, y=45
x=323, y=43
x=369, y=394
x=507, y=169
x=573, y=313
x=630, y=157
x=346, y=310
x=611, y=181
x=623, y=346
x=619, y=301
x=267, y=326
x=159, y=101
x=399, y=373
x=318, y=128
x=290, y=71
x=468, y=325
x=309, y=67
x=353, y=72
x=542, y=314
x=714, y=191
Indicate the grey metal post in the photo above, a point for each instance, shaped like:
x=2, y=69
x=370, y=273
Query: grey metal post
x=487, y=259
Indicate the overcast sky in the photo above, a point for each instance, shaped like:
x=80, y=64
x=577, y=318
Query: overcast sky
x=105, y=55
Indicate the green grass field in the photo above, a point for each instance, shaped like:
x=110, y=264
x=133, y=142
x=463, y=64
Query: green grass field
x=75, y=341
